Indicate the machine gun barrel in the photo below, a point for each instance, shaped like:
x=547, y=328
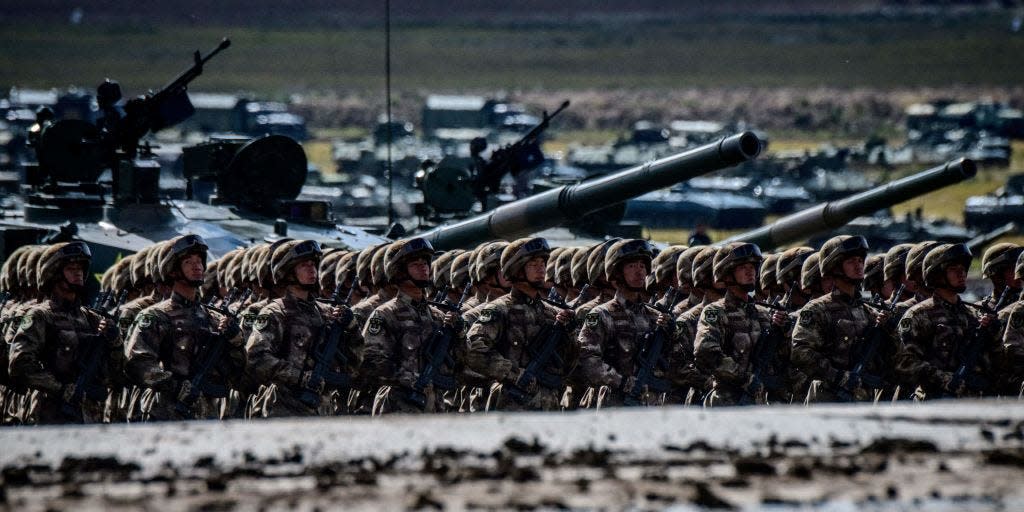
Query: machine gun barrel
x=835, y=214
x=571, y=202
x=197, y=69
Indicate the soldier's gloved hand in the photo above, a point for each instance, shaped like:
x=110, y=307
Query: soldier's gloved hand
x=628, y=383
x=953, y=385
x=107, y=329
x=987, y=321
x=849, y=381
x=452, y=320
x=565, y=316
x=728, y=370
x=228, y=327
x=662, y=320
x=882, y=318
x=779, y=318
x=341, y=314
x=185, y=393
x=68, y=393
x=310, y=381
x=528, y=385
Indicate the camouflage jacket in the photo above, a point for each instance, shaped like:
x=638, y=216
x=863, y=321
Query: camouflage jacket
x=933, y=335
x=497, y=341
x=131, y=310
x=827, y=336
x=992, y=299
x=686, y=304
x=727, y=333
x=610, y=338
x=362, y=310
x=395, y=336
x=284, y=336
x=169, y=341
x=1013, y=341
x=51, y=341
x=12, y=317
x=583, y=309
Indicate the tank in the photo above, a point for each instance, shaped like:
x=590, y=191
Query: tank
x=569, y=203
x=835, y=214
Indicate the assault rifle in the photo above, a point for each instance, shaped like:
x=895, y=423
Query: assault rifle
x=765, y=352
x=89, y=366
x=649, y=359
x=436, y=352
x=544, y=351
x=216, y=345
x=979, y=341
x=871, y=340
x=330, y=351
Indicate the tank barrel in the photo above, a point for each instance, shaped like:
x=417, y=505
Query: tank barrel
x=977, y=243
x=571, y=202
x=835, y=214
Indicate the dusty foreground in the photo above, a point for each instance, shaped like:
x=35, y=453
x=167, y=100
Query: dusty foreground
x=938, y=456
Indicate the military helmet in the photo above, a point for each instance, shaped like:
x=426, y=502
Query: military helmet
x=178, y=248
x=732, y=256
x=210, y=283
x=458, y=274
x=941, y=257
x=399, y=253
x=999, y=256
x=810, y=275
x=137, y=271
x=54, y=258
x=663, y=266
x=122, y=278
x=789, y=266
x=767, y=279
x=684, y=265
x=378, y=274
x=549, y=270
x=346, y=267
x=873, y=272
x=107, y=279
x=363, y=268
x=486, y=260
x=837, y=249
x=9, y=270
x=327, y=266
x=895, y=263
x=1018, y=272
x=624, y=251
x=245, y=264
x=153, y=261
x=595, y=261
x=915, y=258
x=578, y=266
x=703, y=265
x=291, y=253
x=28, y=271
x=517, y=253
x=563, y=266
x=441, y=268
x=223, y=267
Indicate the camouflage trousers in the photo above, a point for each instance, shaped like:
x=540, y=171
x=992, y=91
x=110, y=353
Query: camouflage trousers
x=276, y=401
x=500, y=398
x=44, y=408
x=156, y=406
x=396, y=399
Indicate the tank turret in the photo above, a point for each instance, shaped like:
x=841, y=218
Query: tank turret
x=569, y=203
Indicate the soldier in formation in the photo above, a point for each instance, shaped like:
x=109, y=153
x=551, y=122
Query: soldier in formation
x=290, y=329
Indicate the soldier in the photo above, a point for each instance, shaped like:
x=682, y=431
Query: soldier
x=663, y=276
x=326, y=271
x=997, y=265
x=147, y=277
x=173, y=339
x=828, y=342
x=767, y=288
x=812, y=282
x=788, y=274
x=499, y=343
x=485, y=273
x=894, y=273
x=371, y=273
x=440, y=271
x=549, y=269
x=614, y=332
x=562, y=276
x=1013, y=340
x=578, y=273
x=597, y=279
x=400, y=333
x=938, y=333
x=17, y=394
x=59, y=343
x=873, y=281
x=914, y=275
x=287, y=334
x=689, y=294
x=732, y=330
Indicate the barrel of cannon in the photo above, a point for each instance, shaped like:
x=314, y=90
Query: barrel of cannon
x=835, y=214
x=568, y=203
x=977, y=243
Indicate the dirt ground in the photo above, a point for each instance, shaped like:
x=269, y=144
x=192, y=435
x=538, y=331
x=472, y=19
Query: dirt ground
x=937, y=456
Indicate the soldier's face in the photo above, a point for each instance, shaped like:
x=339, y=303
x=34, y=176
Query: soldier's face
x=305, y=272
x=192, y=267
x=745, y=274
x=74, y=273
x=534, y=269
x=956, y=276
x=1011, y=281
x=853, y=268
x=635, y=273
x=419, y=269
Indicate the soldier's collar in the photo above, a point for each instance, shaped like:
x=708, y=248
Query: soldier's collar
x=838, y=295
x=180, y=299
x=522, y=297
x=406, y=298
x=634, y=305
x=734, y=300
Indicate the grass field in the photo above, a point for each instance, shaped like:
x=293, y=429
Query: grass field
x=876, y=51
